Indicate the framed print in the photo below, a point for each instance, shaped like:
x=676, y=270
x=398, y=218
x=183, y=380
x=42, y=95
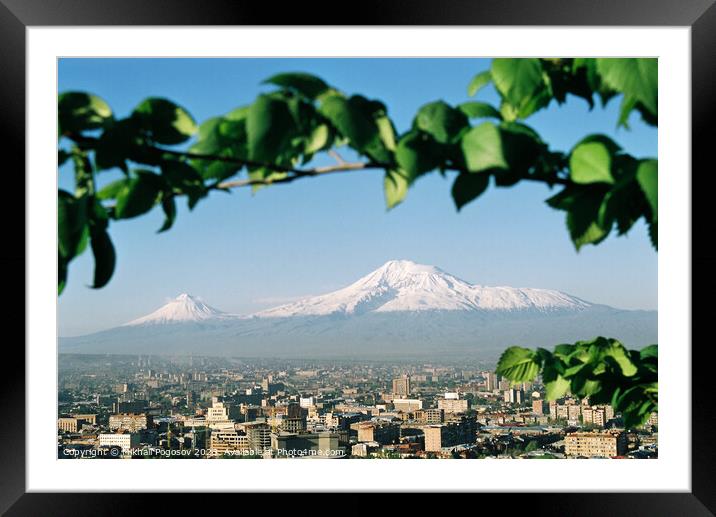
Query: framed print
x=425, y=235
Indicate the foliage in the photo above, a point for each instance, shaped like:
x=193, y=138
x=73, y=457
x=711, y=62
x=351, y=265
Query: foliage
x=274, y=139
x=164, y=156
x=601, y=369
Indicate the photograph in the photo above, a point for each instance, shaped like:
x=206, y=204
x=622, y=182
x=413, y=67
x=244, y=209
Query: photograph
x=344, y=258
x=300, y=241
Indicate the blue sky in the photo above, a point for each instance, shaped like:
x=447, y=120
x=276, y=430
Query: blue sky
x=244, y=252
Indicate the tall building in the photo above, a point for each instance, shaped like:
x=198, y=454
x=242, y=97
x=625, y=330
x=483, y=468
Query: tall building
x=401, y=386
x=539, y=407
x=595, y=445
x=574, y=411
x=514, y=396
x=430, y=416
x=491, y=381
x=131, y=422
x=259, y=434
x=454, y=405
x=222, y=412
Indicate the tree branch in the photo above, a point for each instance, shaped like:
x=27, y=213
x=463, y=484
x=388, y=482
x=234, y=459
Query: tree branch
x=294, y=173
x=297, y=174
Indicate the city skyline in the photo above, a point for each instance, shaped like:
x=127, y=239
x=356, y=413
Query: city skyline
x=202, y=407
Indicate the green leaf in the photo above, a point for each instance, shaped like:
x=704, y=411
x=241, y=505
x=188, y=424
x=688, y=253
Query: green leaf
x=111, y=190
x=441, y=121
x=482, y=148
x=635, y=77
x=61, y=274
x=138, y=195
x=617, y=352
x=167, y=123
x=62, y=157
x=307, y=85
x=478, y=82
x=116, y=144
x=318, y=140
x=647, y=174
x=270, y=127
x=591, y=162
x=417, y=153
x=479, y=110
x=266, y=175
x=518, y=364
x=181, y=175
x=556, y=388
x=522, y=147
x=649, y=352
x=72, y=225
x=386, y=132
x=623, y=204
x=395, y=186
x=80, y=111
x=583, y=216
x=170, y=212
x=468, y=187
x=355, y=119
x=517, y=79
x=611, y=145
x=627, y=106
x=104, y=257
x=654, y=234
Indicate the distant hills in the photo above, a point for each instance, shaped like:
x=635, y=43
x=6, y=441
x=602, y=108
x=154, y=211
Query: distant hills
x=401, y=309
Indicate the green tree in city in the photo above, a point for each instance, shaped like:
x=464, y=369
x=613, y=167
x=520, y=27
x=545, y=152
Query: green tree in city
x=601, y=188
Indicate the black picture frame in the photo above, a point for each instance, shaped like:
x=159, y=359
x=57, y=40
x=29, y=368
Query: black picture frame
x=699, y=15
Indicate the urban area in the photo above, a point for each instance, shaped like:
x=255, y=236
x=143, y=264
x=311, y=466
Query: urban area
x=158, y=407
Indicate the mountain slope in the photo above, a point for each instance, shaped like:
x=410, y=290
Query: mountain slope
x=402, y=285
x=401, y=310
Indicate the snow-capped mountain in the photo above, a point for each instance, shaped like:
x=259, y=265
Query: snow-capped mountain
x=402, y=309
x=403, y=285
x=182, y=309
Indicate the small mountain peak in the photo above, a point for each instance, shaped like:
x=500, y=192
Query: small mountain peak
x=183, y=308
x=405, y=267
x=403, y=264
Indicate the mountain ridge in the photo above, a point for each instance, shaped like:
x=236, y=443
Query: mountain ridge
x=403, y=285
x=401, y=308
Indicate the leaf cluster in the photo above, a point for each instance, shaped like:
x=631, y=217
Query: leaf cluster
x=275, y=139
x=601, y=369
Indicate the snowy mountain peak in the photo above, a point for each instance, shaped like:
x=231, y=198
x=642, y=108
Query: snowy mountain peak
x=184, y=308
x=403, y=285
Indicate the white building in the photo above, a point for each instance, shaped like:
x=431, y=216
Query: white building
x=222, y=412
x=126, y=441
x=453, y=405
